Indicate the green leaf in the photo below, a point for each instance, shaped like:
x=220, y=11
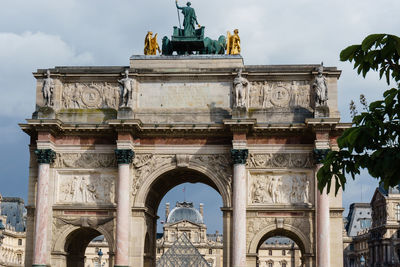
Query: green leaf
x=348, y=53
x=370, y=40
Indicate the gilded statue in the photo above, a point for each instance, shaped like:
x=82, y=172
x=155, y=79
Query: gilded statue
x=189, y=20
x=233, y=44
x=150, y=44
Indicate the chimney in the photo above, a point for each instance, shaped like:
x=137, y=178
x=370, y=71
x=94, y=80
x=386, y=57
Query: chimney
x=202, y=209
x=166, y=211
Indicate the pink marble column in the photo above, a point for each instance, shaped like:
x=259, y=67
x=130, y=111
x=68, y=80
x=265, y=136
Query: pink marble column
x=40, y=256
x=124, y=158
x=239, y=208
x=323, y=229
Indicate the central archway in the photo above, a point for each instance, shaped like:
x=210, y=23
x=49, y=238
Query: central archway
x=158, y=184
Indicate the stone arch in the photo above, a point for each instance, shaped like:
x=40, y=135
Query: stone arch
x=73, y=241
x=197, y=172
x=286, y=230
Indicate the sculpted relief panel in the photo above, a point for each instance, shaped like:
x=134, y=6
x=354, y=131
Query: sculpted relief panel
x=270, y=94
x=85, y=160
x=273, y=188
x=280, y=160
x=90, y=96
x=87, y=189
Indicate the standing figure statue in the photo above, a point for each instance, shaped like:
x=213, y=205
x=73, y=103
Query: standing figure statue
x=241, y=87
x=320, y=86
x=150, y=44
x=48, y=89
x=126, y=90
x=233, y=44
x=189, y=20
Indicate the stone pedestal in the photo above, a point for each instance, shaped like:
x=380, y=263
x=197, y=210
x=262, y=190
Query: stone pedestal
x=125, y=113
x=239, y=157
x=124, y=158
x=44, y=158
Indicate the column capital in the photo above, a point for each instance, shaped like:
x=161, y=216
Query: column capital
x=46, y=156
x=239, y=156
x=320, y=155
x=124, y=156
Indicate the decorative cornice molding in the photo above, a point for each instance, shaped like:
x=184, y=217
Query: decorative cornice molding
x=45, y=156
x=239, y=156
x=320, y=155
x=124, y=156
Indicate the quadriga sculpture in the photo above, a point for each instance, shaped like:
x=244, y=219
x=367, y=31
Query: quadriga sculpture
x=214, y=46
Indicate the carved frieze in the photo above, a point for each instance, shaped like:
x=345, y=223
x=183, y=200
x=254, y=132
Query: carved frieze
x=280, y=160
x=90, y=95
x=86, y=189
x=269, y=94
x=272, y=188
x=85, y=160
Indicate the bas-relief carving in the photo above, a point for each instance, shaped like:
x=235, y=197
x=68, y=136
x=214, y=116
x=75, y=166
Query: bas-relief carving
x=270, y=94
x=86, y=189
x=270, y=188
x=280, y=160
x=90, y=95
x=144, y=164
x=85, y=160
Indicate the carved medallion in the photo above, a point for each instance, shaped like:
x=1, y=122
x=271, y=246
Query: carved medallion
x=91, y=97
x=280, y=96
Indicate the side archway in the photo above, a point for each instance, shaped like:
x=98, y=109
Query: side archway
x=286, y=230
x=70, y=246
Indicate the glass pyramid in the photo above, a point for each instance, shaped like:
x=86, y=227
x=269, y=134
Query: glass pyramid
x=182, y=254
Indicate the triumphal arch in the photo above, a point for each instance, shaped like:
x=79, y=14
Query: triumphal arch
x=107, y=143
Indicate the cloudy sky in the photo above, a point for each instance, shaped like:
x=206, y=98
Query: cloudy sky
x=46, y=33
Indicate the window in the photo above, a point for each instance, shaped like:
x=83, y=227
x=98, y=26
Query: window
x=210, y=251
x=19, y=258
x=271, y=264
x=19, y=242
x=283, y=252
x=270, y=252
x=159, y=250
x=365, y=223
x=398, y=233
x=398, y=212
x=284, y=264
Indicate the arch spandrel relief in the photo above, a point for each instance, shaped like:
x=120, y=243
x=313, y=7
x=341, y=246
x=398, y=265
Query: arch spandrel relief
x=147, y=165
x=90, y=188
x=269, y=188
